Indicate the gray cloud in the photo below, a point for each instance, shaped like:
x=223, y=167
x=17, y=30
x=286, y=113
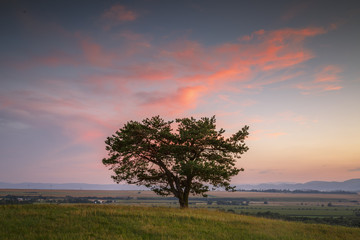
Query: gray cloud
x=354, y=170
x=13, y=124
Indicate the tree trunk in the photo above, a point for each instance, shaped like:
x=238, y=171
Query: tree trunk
x=184, y=201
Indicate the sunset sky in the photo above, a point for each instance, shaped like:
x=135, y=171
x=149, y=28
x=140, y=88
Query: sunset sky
x=73, y=72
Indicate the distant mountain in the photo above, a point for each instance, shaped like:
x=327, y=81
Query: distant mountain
x=69, y=186
x=349, y=185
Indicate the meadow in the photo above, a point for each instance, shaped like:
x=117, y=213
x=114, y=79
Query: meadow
x=335, y=209
x=84, y=221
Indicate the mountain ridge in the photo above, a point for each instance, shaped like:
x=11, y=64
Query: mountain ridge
x=69, y=186
x=348, y=185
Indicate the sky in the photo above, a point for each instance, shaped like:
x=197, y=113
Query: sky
x=73, y=72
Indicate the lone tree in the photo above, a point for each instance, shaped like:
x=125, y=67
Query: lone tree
x=178, y=163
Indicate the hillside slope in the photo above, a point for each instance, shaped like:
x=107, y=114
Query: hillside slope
x=130, y=222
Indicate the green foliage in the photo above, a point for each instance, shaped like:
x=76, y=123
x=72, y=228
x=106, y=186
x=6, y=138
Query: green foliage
x=179, y=162
x=90, y=222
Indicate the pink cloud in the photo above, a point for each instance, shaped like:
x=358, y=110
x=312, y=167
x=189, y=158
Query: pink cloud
x=118, y=14
x=328, y=74
x=188, y=96
x=95, y=54
x=268, y=52
x=280, y=48
x=326, y=80
x=332, y=88
x=84, y=130
x=189, y=62
x=188, y=56
x=175, y=102
x=216, y=66
x=268, y=79
x=136, y=76
x=169, y=79
x=249, y=65
x=81, y=118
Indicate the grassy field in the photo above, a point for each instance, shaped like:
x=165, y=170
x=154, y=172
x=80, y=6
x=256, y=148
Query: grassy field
x=52, y=221
x=259, y=196
x=298, y=211
x=325, y=208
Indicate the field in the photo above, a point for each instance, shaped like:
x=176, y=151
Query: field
x=84, y=221
x=336, y=209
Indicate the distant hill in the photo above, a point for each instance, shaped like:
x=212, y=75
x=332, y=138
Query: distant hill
x=69, y=186
x=349, y=185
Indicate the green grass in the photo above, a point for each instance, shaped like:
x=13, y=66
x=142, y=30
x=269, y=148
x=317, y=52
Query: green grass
x=339, y=211
x=45, y=221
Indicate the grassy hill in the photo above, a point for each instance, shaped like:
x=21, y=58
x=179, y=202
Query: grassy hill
x=43, y=221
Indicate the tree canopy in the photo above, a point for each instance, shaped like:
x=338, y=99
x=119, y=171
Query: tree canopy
x=177, y=162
